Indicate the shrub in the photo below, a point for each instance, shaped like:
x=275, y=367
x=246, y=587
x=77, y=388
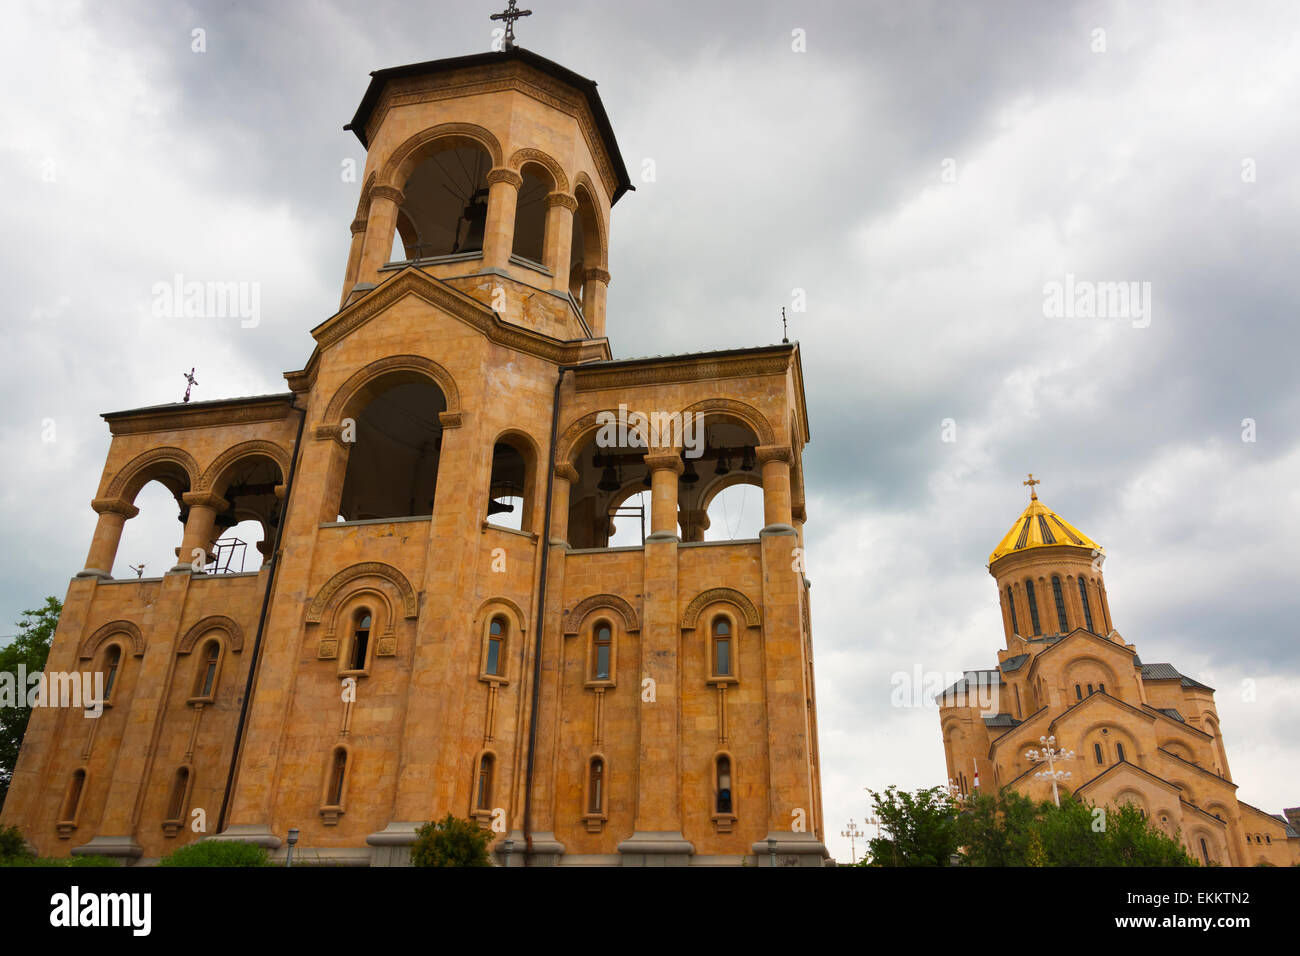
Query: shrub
x=451, y=842
x=217, y=853
x=12, y=844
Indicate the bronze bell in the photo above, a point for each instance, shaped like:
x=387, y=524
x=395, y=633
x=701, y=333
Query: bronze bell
x=476, y=215
x=609, y=479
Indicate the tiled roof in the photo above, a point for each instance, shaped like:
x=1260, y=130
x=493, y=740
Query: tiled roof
x=1001, y=720
x=1012, y=664
x=1169, y=672
x=1171, y=712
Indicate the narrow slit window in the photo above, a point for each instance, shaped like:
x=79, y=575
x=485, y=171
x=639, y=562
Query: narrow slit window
x=496, y=642
x=73, y=802
x=176, y=806
x=1033, y=607
x=1011, y=603
x=722, y=648
x=724, y=785
x=1096, y=750
x=208, y=674
x=596, y=786
x=337, y=776
x=484, y=797
x=112, y=661
x=1119, y=750
x=1087, y=610
x=1060, y=604
x=604, y=646
x=360, y=640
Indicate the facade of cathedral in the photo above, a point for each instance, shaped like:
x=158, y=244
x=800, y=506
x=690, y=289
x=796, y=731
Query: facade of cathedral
x=1140, y=733
x=441, y=624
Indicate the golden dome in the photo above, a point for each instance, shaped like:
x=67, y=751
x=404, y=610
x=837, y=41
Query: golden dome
x=1040, y=527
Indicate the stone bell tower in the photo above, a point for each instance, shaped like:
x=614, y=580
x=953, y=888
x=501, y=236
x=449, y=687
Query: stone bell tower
x=442, y=624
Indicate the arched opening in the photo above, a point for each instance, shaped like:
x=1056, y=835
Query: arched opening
x=245, y=531
x=483, y=788
x=1058, y=595
x=444, y=204
x=111, y=665
x=609, y=504
x=392, y=467
x=530, y=213
x=359, y=645
x=150, y=543
x=722, y=801
x=602, y=650
x=722, y=650
x=736, y=512
x=510, y=488
x=596, y=786
x=714, y=492
x=584, y=252
x=495, y=652
x=338, y=777
x=72, y=799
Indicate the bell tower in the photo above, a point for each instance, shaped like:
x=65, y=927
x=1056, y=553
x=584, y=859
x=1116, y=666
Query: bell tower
x=495, y=173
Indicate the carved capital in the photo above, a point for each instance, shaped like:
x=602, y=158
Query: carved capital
x=358, y=225
x=114, y=506
x=450, y=419
x=766, y=453
x=503, y=175
x=800, y=514
x=566, y=472
x=658, y=462
x=561, y=199
x=205, y=499
x=387, y=192
x=596, y=275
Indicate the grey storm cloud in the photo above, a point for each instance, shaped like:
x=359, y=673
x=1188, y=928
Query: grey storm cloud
x=132, y=159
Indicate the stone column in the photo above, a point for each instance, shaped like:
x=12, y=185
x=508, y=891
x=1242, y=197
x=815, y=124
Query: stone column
x=695, y=521
x=664, y=469
x=777, y=513
x=377, y=245
x=657, y=839
x=113, y=514
x=559, y=238
x=354, y=258
x=594, y=289
x=499, y=230
x=200, y=527
x=565, y=478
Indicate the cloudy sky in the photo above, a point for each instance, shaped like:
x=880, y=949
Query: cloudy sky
x=921, y=171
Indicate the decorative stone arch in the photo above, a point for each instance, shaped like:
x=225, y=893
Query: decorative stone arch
x=336, y=588
x=1178, y=748
x=1082, y=661
x=583, y=182
x=528, y=450
x=409, y=154
x=742, y=412
x=567, y=445
x=331, y=422
x=691, y=617
x=736, y=477
x=91, y=645
x=521, y=157
x=236, y=453
x=484, y=609
x=1130, y=795
x=588, y=605
x=214, y=622
x=143, y=468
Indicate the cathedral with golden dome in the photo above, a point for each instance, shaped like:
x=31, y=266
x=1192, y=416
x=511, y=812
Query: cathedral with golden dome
x=1133, y=732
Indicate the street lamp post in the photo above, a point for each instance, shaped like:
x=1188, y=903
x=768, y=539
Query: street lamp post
x=1050, y=755
x=853, y=833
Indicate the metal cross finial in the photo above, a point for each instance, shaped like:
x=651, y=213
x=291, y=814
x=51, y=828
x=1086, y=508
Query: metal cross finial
x=510, y=15
x=1033, y=495
x=785, y=336
x=189, y=377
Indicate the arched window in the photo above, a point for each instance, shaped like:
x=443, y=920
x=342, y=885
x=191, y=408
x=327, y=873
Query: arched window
x=509, y=488
x=1017, y=690
x=722, y=648
x=496, y=644
x=1083, y=598
x=603, y=646
x=483, y=797
x=1096, y=749
x=1011, y=603
x=361, y=622
x=1060, y=604
x=338, y=774
x=206, y=679
x=1033, y=607
x=1119, y=750
x=596, y=786
x=723, y=802
x=1089, y=690
x=73, y=801
x=1102, y=688
x=112, y=661
x=1205, y=852
x=180, y=785
x=1078, y=692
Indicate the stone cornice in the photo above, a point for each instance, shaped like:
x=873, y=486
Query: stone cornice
x=674, y=369
x=170, y=418
x=497, y=78
x=412, y=281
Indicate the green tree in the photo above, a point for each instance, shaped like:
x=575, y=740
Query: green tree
x=922, y=828
x=30, y=649
x=451, y=842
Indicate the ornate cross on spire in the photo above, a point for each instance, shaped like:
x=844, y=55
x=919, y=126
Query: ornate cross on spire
x=510, y=15
x=1033, y=495
x=785, y=335
x=189, y=377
